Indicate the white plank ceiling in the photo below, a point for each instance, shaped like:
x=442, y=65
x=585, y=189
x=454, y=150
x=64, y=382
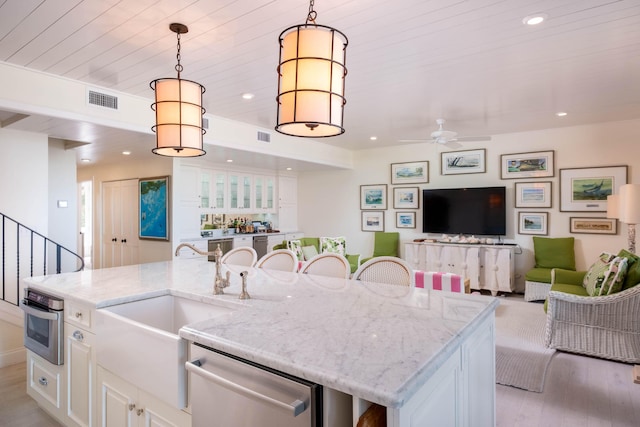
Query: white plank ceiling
x=410, y=62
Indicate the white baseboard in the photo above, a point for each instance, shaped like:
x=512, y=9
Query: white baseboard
x=12, y=314
x=12, y=357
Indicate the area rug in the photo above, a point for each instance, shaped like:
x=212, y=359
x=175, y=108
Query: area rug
x=521, y=357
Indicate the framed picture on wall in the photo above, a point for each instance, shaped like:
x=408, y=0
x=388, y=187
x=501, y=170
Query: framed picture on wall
x=538, y=164
x=406, y=198
x=461, y=162
x=410, y=172
x=373, y=196
x=405, y=220
x=153, y=203
x=533, y=223
x=586, y=189
x=372, y=221
x=593, y=225
x=533, y=194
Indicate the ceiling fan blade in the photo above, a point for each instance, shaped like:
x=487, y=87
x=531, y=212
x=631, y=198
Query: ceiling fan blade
x=473, y=138
x=453, y=144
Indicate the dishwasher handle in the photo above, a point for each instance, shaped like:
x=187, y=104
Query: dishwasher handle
x=297, y=407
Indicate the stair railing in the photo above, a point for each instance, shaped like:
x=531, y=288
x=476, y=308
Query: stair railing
x=27, y=253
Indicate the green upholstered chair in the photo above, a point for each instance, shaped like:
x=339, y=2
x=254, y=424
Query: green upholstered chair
x=549, y=253
x=354, y=259
x=385, y=244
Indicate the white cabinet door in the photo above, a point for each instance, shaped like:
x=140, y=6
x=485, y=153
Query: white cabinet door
x=124, y=405
x=219, y=191
x=415, y=255
x=240, y=192
x=264, y=190
x=116, y=401
x=80, y=365
x=187, y=184
x=120, y=243
x=497, y=270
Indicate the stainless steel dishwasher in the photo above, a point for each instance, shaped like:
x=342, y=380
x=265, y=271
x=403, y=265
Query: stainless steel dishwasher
x=229, y=391
x=260, y=244
x=226, y=245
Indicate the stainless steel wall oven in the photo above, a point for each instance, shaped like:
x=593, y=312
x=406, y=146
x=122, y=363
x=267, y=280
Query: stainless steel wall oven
x=43, y=325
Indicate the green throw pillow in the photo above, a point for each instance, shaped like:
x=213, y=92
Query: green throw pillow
x=309, y=252
x=296, y=247
x=633, y=269
x=554, y=252
x=333, y=244
x=606, y=275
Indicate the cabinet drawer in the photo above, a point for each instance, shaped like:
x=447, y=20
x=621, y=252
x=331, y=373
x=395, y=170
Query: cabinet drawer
x=45, y=379
x=78, y=315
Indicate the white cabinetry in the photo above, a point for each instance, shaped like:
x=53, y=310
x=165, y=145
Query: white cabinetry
x=213, y=190
x=67, y=391
x=287, y=203
x=120, y=225
x=122, y=404
x=461, y=393
x=240, y=192
x=46, y=384
x=242, y=241
x=264, y=190
x=488, y=267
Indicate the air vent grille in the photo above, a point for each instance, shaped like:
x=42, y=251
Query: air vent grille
x=205, y=123
x=103, y=100
x=264, y=136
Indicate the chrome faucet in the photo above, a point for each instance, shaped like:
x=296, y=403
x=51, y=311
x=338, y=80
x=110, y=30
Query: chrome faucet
x=219, y=283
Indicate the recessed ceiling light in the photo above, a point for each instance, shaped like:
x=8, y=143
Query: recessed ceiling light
x=561, y=113
x=289, y=169
x=534, y=19
x=85, y=160
x=373, y=138
x=229, y=160
x=247, y=96
x=126, y=153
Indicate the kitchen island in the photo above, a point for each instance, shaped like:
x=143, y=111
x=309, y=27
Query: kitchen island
x=422, y=355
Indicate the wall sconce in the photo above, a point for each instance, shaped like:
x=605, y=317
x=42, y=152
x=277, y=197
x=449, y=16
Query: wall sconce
x=311, y=76
x=179, y=112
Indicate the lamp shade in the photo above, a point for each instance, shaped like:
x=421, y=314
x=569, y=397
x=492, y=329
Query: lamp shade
x=311, y=76
x=613, y=206
x=179, y=113
x=630, y=203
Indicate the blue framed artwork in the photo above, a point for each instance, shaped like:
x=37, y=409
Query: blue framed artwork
x=153, y=200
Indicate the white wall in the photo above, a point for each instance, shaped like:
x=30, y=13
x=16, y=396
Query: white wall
x=150, y=251
x=329, y=202
x=63, y=222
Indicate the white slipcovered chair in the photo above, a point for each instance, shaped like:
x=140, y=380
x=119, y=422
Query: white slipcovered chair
x=245, y=255
x=386, y=269
x=328, y=264
x=280, y=259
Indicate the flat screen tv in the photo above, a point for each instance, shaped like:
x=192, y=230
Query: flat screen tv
x=476, y=211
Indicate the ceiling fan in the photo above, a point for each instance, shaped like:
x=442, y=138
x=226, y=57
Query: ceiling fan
x=448, y=137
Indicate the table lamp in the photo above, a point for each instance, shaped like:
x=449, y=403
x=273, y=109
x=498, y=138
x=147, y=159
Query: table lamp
x=629, y=211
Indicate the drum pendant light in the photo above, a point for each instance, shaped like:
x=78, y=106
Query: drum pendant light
x=179, y=112
x=311, y=76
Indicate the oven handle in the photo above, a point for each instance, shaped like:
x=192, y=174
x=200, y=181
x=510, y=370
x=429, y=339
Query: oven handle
x=42, y=314
x=296, y=407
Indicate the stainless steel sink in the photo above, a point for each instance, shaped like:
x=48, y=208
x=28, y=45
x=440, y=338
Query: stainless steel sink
x=139, y=341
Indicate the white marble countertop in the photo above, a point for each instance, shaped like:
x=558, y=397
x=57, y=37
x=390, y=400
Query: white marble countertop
x=378, y=342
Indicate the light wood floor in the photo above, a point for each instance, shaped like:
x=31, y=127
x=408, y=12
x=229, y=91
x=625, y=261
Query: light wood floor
x=579, y=392
x=17, y=409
